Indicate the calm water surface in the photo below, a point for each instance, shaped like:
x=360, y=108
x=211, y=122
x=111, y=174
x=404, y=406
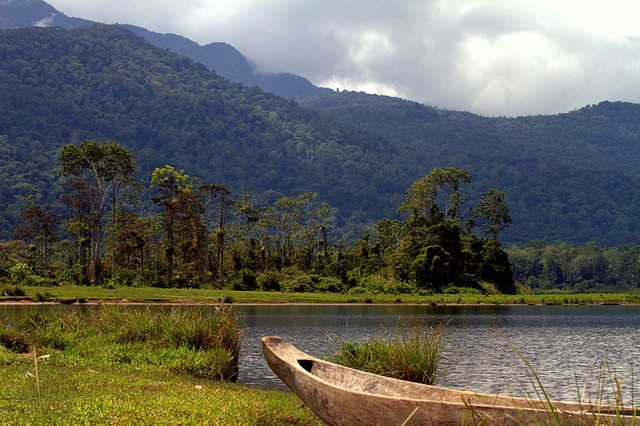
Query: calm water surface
x=571, y=348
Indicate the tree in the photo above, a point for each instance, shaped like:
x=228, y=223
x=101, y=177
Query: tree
x=388, y=234
x=285, y=218
x=495, y=267
x=133, y=235
x=300, y=226
x=173, y=187
x=121, y=167
x=39, y=225
x=76, y=197
x=315, y=220
x=103, y=168
x=431, y=251
x=425, y=198
x=247, y=214
x=218, y=192
x=493, y=209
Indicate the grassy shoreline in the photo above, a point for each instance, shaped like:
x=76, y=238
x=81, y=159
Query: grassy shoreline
x=55, y=391
x=81, y=294
x=117, y=366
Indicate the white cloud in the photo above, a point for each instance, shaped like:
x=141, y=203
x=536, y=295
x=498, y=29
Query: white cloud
x=492, y=57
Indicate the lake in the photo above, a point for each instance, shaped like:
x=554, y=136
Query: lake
x=572, y=349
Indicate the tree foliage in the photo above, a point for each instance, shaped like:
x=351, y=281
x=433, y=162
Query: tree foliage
x=493, y=208
x=101, y=169
x=438, y=250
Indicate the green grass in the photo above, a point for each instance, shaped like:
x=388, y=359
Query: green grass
x=409, y=352
x=81, y=294
x=79, y=394
x=132, y=366
x=188, y=341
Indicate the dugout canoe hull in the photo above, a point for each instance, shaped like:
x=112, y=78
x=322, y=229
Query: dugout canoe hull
x=344, y=396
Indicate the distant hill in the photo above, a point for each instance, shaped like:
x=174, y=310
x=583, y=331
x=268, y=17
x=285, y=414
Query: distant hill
x=230, y=63
x=220, y=57
x=572, y=177
x=60, y=86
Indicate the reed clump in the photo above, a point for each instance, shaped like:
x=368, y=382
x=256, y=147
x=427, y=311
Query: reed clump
x=193, y=341
x=410, y=352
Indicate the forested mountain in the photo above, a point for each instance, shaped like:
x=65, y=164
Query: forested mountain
x=103, y=82
x=570, y=177
x=231, y=64
x=220, y=57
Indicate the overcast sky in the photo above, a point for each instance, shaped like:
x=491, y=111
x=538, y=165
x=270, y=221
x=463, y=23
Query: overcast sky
x=501, y=57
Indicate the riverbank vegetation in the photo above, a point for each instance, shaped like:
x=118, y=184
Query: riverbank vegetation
x=111, y=365
x=567, y=267
x=408, y=352
x=117, y=295
x=196, y=234
x=203, y=345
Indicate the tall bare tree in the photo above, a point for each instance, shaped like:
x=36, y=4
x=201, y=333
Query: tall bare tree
x=103, y=168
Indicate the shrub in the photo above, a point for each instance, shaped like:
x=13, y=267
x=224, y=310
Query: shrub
x=269, y=281
x=127, y=277
x=299, y=283
x=452, y=289
x=380, y=284
x=373, y=284
x=329, y=284
x=44, y=297
x=19, y=272
x=13, y=340
x=248, y=279
x=411, y=353
x=14, y=291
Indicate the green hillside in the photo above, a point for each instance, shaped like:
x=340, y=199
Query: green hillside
x=103, y=82
x=570, y=177
x=220, y=57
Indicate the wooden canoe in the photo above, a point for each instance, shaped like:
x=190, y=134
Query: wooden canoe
x=344, y=396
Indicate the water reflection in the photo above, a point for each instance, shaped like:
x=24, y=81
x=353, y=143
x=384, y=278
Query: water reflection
x=566, y=345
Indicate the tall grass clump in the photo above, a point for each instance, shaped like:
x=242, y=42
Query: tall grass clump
x=13, y=340
x=217, y=337
x=408, y=352
x=195, y=341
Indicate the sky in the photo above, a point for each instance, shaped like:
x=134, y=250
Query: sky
x=490, y=57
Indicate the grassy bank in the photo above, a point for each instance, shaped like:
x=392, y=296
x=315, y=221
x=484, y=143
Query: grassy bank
x=203, y=345
x=70, y=294
x=123, y=366
x=71, y=394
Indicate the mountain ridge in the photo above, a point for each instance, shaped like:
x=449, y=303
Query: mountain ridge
x=103, y=82
x=221, y=57
x=570, y=177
